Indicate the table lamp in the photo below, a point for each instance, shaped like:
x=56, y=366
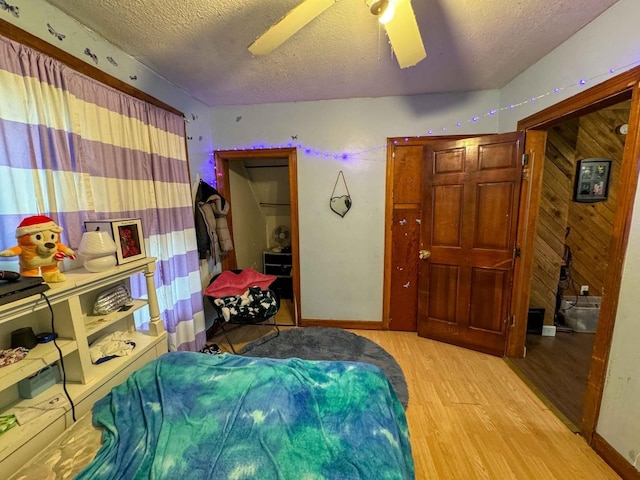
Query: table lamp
x=98, y=250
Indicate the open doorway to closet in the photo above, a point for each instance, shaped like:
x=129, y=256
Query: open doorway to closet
x=262, y=189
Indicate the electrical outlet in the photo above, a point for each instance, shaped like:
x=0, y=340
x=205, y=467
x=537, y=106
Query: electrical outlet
x=584, y=290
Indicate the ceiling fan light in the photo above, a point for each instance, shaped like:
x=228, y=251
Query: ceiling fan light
x=387, y=15
x=377, y=7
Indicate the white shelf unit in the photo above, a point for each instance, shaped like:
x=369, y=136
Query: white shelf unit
x=72, y=304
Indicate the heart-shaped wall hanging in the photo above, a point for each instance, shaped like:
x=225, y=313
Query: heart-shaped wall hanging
x=340, y=204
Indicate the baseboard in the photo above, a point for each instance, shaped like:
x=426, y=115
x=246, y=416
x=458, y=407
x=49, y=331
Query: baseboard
x=619, y=463
x=347, y=324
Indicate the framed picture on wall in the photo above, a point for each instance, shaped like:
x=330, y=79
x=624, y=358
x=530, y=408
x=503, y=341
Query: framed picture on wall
x=592, y=180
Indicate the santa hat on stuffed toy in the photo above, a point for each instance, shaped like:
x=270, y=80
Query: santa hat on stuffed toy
x=35, y=224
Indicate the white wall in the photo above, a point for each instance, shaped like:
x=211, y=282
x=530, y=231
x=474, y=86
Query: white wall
x=342, y=258
x=271, y=189
x=249, y=222
x=611, y=41
x=619, y=422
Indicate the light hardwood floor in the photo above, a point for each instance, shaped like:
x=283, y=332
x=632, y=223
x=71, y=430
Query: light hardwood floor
x=471, y=417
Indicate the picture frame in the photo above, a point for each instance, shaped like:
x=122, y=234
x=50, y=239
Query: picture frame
x=592, y=180
x=126, y=233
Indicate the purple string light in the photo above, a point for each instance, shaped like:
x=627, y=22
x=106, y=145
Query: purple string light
x=474, y=119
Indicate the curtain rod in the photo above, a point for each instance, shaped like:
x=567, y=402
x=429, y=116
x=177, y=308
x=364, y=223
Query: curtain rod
x=15, y=33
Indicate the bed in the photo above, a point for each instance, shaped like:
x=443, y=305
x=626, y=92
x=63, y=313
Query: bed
x=191, y=415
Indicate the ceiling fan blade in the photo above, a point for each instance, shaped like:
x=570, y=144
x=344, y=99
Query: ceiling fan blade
x=288, y=25
x=404, y=35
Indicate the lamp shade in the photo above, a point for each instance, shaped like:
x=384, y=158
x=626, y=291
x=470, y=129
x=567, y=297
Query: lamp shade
x=96, y=244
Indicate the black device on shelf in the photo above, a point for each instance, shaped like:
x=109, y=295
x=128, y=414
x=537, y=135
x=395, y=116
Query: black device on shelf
x=8, y=276
x=21, y=288
x=23, y=337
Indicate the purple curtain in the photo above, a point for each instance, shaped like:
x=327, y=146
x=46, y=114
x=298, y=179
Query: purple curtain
x=74, y=149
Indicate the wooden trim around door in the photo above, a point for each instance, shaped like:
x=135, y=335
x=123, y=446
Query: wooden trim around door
x=615, y=90
x=347, y=324
x=222, y=159
x=530, y=195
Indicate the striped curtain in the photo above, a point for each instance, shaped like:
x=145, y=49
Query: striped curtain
x=75, y=150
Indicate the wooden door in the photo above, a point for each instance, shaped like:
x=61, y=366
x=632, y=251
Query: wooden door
x=470, y=197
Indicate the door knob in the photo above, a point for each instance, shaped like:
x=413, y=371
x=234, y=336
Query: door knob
x=424, y=254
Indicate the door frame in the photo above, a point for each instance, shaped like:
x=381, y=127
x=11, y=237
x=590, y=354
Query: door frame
x=221, y=165
x=620, y=88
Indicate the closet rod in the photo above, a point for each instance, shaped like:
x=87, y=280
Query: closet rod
x=265, y=204
x=266, y=166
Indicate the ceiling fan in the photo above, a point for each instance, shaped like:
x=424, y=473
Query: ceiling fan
x=396, y=16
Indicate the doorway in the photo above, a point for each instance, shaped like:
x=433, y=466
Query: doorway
x=572, y=237
x=614, y=91
x=262, y=189
x=404, y=166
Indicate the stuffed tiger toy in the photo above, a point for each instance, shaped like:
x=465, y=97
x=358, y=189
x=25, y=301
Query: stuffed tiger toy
x=39, y=249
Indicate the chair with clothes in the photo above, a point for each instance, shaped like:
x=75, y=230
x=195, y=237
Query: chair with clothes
x=243, y=297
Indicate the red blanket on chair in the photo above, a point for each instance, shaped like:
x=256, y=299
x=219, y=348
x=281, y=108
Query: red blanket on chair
x=229, y=283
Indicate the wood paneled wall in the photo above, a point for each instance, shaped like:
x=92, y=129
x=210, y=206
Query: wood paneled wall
x=592, y=223
x=557, y=186
x=589, y=224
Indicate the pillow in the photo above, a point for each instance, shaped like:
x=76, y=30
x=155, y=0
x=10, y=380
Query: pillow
x=229, y=283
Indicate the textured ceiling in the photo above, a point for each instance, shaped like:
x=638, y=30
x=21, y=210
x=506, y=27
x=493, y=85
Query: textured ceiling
x=201, y=46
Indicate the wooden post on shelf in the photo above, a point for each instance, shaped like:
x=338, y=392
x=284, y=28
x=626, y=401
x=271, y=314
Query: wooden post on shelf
x=156, y=327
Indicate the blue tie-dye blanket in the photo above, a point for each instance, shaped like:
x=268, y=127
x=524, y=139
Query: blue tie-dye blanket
x=193, y=416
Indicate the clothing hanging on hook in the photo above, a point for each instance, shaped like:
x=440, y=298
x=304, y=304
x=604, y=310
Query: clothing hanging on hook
x=212, y=231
